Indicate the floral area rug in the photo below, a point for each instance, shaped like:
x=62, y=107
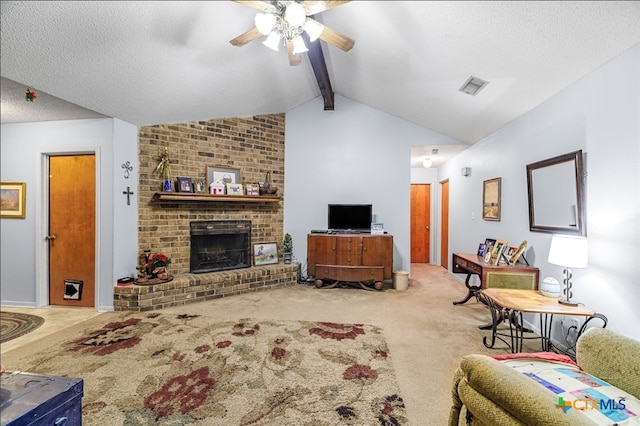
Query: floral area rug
x=159, y=369
x=14, y=324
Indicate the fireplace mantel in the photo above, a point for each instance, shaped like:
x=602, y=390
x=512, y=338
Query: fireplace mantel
x=208, y=198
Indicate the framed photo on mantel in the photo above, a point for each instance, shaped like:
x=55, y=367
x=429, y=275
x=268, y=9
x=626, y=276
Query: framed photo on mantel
x=223, y=175
x=184, y=184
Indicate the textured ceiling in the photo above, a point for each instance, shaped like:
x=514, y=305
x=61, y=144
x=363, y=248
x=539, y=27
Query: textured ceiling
x=165, y=62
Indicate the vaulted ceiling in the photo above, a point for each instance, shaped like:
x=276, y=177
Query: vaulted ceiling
x=164, y=62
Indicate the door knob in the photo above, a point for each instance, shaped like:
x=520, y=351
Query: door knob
x=426, y=227
x=50, y=237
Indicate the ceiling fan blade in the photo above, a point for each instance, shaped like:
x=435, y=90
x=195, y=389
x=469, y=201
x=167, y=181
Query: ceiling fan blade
x=333, y=37
x=260, y=5
x=245, y=38
x=321, y=6
x=294, y=59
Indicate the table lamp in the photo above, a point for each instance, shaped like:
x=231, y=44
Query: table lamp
x=570, y=252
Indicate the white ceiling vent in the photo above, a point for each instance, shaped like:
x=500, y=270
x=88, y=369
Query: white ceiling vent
x=473, y=85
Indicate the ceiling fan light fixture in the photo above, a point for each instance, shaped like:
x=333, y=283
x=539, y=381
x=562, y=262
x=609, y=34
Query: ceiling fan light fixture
x=299, y=46
x=272, y=41
x=313, y=29
x=265, y=22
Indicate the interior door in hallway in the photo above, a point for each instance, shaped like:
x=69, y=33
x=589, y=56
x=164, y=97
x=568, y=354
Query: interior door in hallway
x=72, y=212
x=420, y=222
x=444, y=237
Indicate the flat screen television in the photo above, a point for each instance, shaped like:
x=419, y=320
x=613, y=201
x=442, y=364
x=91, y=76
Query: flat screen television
x=355, y=217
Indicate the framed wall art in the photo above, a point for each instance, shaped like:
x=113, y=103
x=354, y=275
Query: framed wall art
x=491, y=199
x=265, y=254
x=222, y=174
x=13, y=197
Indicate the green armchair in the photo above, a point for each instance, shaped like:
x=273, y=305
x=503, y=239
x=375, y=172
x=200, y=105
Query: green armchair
x=489, y=392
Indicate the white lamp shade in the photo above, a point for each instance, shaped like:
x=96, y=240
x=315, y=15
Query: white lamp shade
x=569, y=251
x=295, y=15
x=427, y=163
x=265, y=22
x=272, y=41
x=313, y=29
x=299, y=46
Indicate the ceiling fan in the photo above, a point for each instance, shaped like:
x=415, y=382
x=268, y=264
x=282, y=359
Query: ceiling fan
x=287, y=20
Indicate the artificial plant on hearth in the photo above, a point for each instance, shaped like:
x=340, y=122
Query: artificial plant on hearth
x=287, y=248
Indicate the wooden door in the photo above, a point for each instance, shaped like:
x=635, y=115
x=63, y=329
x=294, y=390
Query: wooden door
x=72, y=212
x=444, y=237
x=420, y=222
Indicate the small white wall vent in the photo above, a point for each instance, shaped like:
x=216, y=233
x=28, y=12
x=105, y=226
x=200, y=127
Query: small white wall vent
x=473, y=85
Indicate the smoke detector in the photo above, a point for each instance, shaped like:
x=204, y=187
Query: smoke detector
x=473, y=85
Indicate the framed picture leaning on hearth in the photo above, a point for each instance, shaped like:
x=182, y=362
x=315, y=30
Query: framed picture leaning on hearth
x=265, y=254
x=223, y=175
x=14, y=196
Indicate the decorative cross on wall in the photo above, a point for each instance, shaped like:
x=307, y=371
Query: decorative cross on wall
x=128, y=193
x=127, y=168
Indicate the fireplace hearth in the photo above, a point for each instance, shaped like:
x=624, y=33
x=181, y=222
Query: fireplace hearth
x=220, y=245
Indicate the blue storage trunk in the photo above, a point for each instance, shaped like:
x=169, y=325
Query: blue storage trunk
x=30, y=399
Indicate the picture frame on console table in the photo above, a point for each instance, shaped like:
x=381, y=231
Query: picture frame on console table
x=518, y=254
x=265, y=254
x=222, y=174
x=496, y=252
x=491, y=199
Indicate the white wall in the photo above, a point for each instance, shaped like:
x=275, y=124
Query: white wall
x=600, y=114
x=125, y=217
x=24, y=255
x=354, y=154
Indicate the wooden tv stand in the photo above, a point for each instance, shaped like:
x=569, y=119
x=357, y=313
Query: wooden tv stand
x=364, y=259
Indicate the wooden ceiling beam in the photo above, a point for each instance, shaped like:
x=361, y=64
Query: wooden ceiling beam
x=316, y=57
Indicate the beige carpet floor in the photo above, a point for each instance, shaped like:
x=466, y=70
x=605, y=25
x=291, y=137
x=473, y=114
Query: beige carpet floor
x=426, y=334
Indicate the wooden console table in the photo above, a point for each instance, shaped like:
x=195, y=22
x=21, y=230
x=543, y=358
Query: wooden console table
x=518, y=276
x=364, y=259
x=512, y=303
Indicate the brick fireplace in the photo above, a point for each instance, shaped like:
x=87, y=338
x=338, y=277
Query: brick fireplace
x=254, y=146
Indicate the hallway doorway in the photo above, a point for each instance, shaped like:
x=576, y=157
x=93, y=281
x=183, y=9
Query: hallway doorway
x=420, y=223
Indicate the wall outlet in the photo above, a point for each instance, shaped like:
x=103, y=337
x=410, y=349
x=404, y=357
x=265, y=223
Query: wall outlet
x=575, y=322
